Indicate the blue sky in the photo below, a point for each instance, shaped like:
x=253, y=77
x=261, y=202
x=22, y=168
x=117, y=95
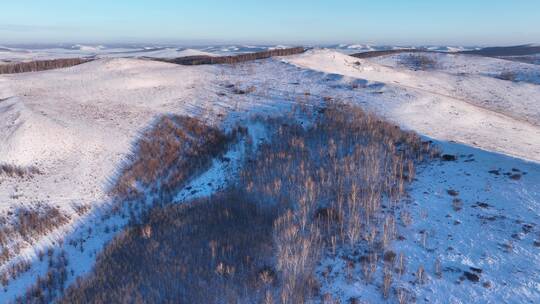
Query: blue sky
x=472, y=22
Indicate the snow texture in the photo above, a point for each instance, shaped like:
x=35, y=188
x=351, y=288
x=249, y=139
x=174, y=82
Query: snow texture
x=77, y=125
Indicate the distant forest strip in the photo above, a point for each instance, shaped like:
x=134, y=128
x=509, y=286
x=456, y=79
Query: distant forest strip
x=203, y=59
x=372, y=54
x=40, y=65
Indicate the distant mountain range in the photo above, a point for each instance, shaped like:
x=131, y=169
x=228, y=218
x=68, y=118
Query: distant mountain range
x=518, y=50
x=52, y=51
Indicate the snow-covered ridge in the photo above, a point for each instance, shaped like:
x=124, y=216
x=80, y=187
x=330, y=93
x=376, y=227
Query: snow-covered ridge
x=503, y=118
x=76, y=125
x=462, y=64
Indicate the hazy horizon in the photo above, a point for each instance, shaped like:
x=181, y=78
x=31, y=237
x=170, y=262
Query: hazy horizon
x=69, y=44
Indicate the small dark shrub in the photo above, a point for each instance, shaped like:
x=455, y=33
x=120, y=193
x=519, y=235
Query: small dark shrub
x=508, y=75
x=515, y=176
x=471, y=276
x=452, y=192
x=18, y=171
x=448, y=157
x=419, y=61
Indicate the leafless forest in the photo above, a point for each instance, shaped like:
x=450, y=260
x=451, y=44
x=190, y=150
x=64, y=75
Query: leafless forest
x=311, y=189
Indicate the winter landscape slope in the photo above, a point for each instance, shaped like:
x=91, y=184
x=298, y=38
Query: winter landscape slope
x=460, y=64
x=492, y=114
x=459, y=100
x=77, y=125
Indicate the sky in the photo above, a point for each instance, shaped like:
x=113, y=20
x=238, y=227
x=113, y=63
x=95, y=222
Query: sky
x=411, y=22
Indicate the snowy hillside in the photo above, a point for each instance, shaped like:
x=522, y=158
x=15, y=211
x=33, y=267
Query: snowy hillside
x=489, y=113
x=459, y=64
x=471, y=224
x=77, y=125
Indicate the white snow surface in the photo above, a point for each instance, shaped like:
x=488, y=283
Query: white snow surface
x=462, y=64
x=492, y=236
x=78, y=124
x=83, y=120
x=485, y=112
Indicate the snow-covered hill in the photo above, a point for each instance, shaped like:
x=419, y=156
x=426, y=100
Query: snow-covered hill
x=471, y=224
x=492, y=114
x=464, y=65
x=76, y=125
